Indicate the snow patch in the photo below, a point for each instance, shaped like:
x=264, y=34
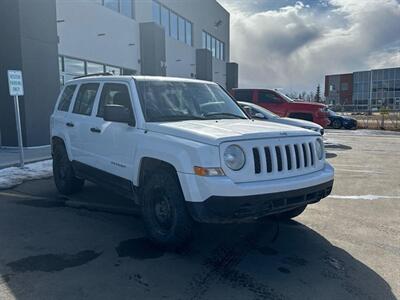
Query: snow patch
x=13, y=176
x=365, y=197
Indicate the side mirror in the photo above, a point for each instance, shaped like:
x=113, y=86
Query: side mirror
x=247, y=109
x=259, y=116
x=118, y=113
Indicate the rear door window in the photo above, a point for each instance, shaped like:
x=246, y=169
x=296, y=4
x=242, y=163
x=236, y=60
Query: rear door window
x=244, y=95
x=66, y=97
x=85, y=99
x=268, y=97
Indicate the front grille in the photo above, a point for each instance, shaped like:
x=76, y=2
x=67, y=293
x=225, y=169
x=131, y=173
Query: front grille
x=282, y=158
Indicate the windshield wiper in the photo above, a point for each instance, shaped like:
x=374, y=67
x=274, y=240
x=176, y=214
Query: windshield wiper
x=224, y=114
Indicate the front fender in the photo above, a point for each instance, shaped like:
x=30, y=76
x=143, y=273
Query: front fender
x=182, y=154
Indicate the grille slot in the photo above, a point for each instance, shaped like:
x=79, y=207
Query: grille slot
x=269, y=159
x=279, y=158
x=257, y=164
x=304, y=155
x=310, y=145
x=288, y=157
x=297, y=153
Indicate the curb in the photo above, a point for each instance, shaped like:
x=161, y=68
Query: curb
x=28, y=161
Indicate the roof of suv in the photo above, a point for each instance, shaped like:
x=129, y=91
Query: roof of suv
x=139, y=78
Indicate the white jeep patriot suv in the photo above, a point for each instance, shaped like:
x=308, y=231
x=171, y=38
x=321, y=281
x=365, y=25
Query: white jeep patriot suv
x=183, y=150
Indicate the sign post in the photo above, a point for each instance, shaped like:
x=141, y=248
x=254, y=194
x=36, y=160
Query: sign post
x=16, y=89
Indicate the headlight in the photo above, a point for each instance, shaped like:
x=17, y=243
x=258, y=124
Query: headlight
x=234, y=157
x=319, y=148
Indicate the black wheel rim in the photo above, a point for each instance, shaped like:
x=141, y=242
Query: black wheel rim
x=336, y=124
x=162, y=211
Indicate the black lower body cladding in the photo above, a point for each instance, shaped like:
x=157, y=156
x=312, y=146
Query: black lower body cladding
x=219, y=209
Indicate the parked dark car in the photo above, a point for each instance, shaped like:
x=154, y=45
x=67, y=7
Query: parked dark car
x=338, y=121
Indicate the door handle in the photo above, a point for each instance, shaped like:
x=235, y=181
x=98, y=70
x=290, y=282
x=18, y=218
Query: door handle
x=69, y=124
x=96, y=130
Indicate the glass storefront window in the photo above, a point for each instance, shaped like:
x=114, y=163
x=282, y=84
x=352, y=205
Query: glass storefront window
x=213, y=41
x=181, y=29
x=128, y=72
x=188, y=33
x=111, y=4
x=173, y=25
x=60, y=64
x=126, y=8
x=214, y=45
x=114, y=70
x=217, y=49
x=209, y=42
x=397, y=73
x=93, y=68
x=74, y=66
x=156, y=12
x=165, y=19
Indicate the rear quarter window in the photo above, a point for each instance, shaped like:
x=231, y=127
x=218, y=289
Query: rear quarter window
x=66, y=97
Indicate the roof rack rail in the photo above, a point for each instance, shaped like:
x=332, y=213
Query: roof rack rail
x=95, y=74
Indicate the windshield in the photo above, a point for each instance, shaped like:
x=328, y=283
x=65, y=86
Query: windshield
x=254, y=109
x=287, y=98
x=166, y=101
x=331, y=113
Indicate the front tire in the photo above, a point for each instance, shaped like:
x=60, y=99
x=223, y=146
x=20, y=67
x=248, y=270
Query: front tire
x=64, y=176
x=166, y=219
x=290, y=214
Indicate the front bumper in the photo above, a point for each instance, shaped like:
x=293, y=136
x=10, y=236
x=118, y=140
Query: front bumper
x=201, y=191
x=217, y=209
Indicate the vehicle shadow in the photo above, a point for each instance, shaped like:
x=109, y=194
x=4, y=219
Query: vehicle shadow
x=71, y=253
x=285, y=260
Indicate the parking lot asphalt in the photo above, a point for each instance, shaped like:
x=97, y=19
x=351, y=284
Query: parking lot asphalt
x=345, y=247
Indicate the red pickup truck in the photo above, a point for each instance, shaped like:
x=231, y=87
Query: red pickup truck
x=284, y=106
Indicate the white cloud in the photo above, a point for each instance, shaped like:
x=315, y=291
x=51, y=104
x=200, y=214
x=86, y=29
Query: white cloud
x=295, y=46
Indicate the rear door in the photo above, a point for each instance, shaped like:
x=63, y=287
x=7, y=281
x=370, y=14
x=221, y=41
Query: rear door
x=79, y=122
x=58, y=123
x=271, y=101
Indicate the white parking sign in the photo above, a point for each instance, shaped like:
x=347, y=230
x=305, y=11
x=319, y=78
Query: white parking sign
x=16, y=88
x=15, y=83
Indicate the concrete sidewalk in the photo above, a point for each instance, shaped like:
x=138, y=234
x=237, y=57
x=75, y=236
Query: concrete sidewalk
x=9, y=157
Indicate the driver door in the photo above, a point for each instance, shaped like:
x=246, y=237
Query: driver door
x=272, y=102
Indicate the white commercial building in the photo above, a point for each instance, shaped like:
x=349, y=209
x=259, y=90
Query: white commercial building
x=123, y=36
x=52, y=41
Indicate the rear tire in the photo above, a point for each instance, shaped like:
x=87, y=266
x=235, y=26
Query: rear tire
x=290, y=214
x=166, y=219
x=64, y=176
x=337, y=124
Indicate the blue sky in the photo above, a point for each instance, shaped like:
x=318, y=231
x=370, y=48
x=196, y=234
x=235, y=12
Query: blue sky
x=292, y=44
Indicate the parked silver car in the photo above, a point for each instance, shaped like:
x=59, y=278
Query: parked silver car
x=260, y=113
